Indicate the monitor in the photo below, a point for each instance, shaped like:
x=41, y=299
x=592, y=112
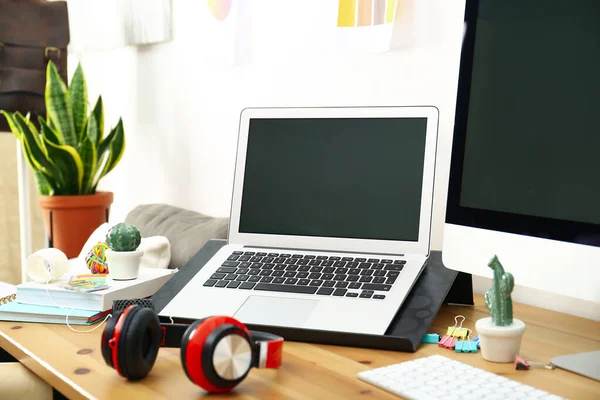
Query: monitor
x=525, y=165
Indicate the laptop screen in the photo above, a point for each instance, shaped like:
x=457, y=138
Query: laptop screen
x=334, y=177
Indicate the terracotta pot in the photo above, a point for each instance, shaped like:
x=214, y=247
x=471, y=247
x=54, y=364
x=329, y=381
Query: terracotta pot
x=70, y=220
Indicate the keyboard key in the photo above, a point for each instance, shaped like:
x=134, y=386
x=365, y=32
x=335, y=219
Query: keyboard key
x=379, y=296
x=230, y=277
x=291, y=281
x=242, y=271
x=261, y=254
x=386, y=261
x=379, y=273
x=290, y=267
x=351, y=294
x=230, y=264
x=328, y=270
x=238, y=253
x=366, y=295
x=314, y=262
x=327, y=263
x=354, y=285
x=368, y=272
x=347, y=258
x=304, y=268
x=339, y=292
x=314, y=275
x=353, y=271
x=339, y=278
x=279, y=267
x=268, y=266
x=303, y=261
x=244, y=258
x=364, y=265
x=352, y=264
x=329, y=284
x=302, y=275
x=278, y=280
x=339, y=264
x=378, y=279
x=325, y=291
x=245, y=264
x=242, y=278
x=270, y=287
x=375, y=286
x=316, y=269
x=266, y=279
x=264, y=272
x=327, y=277
x=378, y=266
x=256, y=265
x=365, y=279
x=255, y=278
x=285, y=255
x=391, y=280
x=233, y=257
x=291, y=261
x=373, y=260
x=289, y=274
x=249, y=253
x=233, y=284
x=393, y=267
x=316, y=282
x=335, y=258
x=297, y=256
x=256, y=259
x=254, y=271
x=303, y=282
x=310, y=257
x=401, y=262
x=277, y=273
x=322, y=257
x=210, y=282
x=273, y=255
x=342, y=285
x=341, y=271
x=217, y=275
x=226, y=270
x=360, y=259
x=279, y=260
x=352, y=278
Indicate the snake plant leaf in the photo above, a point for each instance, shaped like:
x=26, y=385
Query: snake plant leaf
x=12, y=124
x=89, y=158
x=49, y=132
x=38, y=155
x=117, y=148
x=78, y=93
x=44, y=185
x=98, y=113
x=58, y=106
x=67, y=159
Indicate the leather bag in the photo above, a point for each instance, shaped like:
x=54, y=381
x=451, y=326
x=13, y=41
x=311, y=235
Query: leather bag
x=32, y=32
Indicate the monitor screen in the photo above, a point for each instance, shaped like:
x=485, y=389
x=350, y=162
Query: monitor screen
x=334, y=177
x=527, y=123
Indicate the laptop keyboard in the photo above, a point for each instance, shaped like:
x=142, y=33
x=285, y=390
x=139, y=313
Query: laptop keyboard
x=366, y=278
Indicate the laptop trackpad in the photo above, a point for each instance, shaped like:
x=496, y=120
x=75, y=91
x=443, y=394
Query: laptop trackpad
x=276, y=311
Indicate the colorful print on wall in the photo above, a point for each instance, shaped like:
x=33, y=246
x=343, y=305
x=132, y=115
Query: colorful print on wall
x=366, y=26
x=219, y=8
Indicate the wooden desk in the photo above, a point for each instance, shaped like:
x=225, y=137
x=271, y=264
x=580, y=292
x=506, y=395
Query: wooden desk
x=72, y=363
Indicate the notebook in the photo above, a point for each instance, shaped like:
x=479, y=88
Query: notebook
x=11, y=310
x=53, y=294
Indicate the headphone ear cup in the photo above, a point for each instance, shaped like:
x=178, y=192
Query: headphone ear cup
x=107, y=334
x=184, y=342
x=139, y=342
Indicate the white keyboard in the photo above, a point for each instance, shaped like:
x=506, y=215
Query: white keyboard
x=438, y=377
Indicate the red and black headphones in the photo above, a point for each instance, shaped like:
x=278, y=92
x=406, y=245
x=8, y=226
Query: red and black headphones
x=216, y=352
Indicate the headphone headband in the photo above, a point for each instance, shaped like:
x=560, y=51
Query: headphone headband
x=270, y=346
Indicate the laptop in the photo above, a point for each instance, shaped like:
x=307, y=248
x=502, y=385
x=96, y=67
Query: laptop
x=330, y=219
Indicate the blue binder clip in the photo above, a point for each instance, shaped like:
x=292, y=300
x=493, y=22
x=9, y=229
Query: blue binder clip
x=430, y=338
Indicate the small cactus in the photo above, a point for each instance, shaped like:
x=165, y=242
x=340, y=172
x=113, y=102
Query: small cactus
x=497, y=298
x=123, y=237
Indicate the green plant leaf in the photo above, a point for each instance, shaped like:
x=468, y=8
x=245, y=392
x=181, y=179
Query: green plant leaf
x=69, y=162
x=78, y=93
x=12, y=124
x=45, y=188
x=49, y=132
x=98, y=113
x=110, y=151
x=38, y=156
x=89, y=158
x=58, y=106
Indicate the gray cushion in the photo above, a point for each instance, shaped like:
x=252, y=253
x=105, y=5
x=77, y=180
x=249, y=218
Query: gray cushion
x=186, y=230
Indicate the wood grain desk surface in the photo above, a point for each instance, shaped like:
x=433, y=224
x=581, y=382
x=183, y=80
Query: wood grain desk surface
x=72, y=363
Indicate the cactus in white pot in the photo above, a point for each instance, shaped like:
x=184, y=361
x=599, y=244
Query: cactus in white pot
x=122, y=255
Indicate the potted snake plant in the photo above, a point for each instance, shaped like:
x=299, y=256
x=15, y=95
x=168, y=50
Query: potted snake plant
x=69, y=154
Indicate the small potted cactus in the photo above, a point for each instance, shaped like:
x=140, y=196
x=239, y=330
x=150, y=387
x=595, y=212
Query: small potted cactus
x=500, y=335
x=122, y=256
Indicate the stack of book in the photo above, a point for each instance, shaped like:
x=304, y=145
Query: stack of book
x=85, y=298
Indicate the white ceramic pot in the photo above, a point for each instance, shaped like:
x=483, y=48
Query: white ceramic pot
x=499, y=343
x=123, y=265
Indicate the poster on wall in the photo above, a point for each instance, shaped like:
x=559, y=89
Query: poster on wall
x=370, y=26
x=225, y=32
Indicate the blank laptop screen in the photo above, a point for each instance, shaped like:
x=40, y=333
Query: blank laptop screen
x=334, y=177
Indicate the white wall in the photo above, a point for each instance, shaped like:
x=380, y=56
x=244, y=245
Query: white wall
x=181, y=114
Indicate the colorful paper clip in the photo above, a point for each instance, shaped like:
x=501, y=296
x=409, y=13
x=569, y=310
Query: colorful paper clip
x=466, y=346
x=476, y=340
x=449, y=341
x=522, y=364
x=430, y=338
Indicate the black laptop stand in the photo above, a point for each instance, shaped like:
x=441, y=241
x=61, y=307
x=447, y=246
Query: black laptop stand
x=436, y=285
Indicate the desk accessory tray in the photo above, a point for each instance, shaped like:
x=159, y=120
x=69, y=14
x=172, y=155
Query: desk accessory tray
x=432, y=289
